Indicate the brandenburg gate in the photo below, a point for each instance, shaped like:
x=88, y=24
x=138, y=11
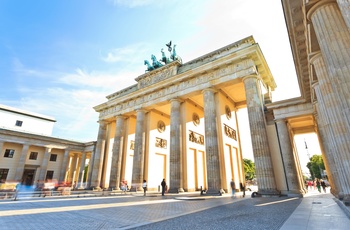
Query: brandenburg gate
x=179, y=122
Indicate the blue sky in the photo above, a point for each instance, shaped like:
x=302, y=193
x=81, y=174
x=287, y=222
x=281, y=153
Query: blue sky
x=62, y=57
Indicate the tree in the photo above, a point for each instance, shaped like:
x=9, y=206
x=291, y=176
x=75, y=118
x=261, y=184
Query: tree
x=316, y=166
x=249, y=169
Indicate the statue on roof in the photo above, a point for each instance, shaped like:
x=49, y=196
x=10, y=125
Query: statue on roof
x=164, y=60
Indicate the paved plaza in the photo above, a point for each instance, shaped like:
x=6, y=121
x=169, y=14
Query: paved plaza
x=185, y=211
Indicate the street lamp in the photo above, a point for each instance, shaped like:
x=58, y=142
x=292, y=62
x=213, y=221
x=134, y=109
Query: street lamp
x=307, y=151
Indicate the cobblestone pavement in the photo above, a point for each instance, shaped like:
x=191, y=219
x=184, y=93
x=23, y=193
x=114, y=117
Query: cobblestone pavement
x=150, y=212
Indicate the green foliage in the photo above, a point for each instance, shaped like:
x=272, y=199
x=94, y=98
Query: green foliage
x=249, y=169
x=316, y=166
x=85, y=172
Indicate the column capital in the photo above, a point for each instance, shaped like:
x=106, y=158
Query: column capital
x=210, y=89
x=141, y=110
x=121, y=116
x=279, y=120
x=312, y=6
x=103, y=122
x=176, y=99
x=315, y=84
x=314, y=56
x=249, y=76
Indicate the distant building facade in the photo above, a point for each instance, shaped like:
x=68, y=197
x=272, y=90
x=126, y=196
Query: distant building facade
x=29, y=153
x=20, y=120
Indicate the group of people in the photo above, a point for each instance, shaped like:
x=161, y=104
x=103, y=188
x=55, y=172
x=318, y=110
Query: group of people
x=164, y=187
x=124, y=186
x=317, y=183
x=233, y=188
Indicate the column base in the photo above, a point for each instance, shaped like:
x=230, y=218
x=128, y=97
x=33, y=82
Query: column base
x=340, y=195
x=176, y=190
x=214, y=192
x=136, y=189
x=296, y=193
x=268, y=193
x=346, y=200
x=98, y=188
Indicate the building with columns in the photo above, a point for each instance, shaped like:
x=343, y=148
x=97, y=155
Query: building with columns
x=319, y=32
x=29, y=153
x=179, y=122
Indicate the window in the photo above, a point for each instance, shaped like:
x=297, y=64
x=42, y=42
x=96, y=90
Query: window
x=19, y=123
x=33, y=156
x=49, y=175
x=53, y=157
x=9, y=153
x=3, y=175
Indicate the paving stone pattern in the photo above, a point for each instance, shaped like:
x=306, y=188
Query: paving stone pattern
x=153, y=212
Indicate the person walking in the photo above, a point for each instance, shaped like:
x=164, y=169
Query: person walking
x=318, y=185
x=242, y=188
x=323, y=184
x=144, y=186
x=163, y=184
x=233, y=187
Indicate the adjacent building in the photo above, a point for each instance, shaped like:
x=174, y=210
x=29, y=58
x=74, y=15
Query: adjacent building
x=29, y=153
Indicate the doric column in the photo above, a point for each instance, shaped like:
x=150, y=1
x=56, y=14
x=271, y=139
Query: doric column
x=344, y=6
x=82, y=169
x=44, y=163
x=1, y=146
x=176, y=172
x=261, y=150
x=333, y=37
x=139, y=151
x=290, y=167
x=64, y=167
x=73, y=168
x=340, y=134
x=21, y=163
x=323, y=134
x=114, y=180
x=98, y=156
x=211, y=142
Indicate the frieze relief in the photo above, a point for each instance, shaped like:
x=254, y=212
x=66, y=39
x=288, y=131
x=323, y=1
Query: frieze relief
x=161, y=143
x=157, y=75
x=196, y=137
x=230, y=132
x=243, y=68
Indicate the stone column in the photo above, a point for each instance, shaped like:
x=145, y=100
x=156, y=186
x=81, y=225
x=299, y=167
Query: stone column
x=326, y=148
x=1, y=146
x=139, y=152
x=98, y=156
x=21, y=163
x=73, y=168
x=344, y=6
x=118, y=145
x=64, y=166
x=176, y=171
x=261, y=150
x=340, y=135
x=333, y=37
x=211, y=142
x=44, y=164
x=81, y=170
x=290, y=167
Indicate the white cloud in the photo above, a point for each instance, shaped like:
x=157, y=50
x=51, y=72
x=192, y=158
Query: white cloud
x=71, y=101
